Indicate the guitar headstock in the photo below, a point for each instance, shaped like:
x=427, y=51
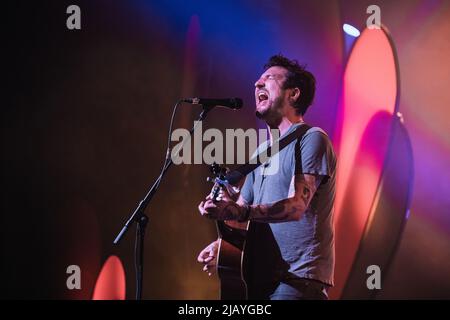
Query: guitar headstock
x=218, y=172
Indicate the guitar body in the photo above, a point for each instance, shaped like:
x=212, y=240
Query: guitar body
x=232, y=260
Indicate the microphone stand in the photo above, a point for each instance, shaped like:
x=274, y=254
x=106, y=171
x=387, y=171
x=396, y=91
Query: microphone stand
x=141, y=218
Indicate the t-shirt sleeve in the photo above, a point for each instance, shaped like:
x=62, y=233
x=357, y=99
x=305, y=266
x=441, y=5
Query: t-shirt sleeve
x=247, y=188
x=317, y=154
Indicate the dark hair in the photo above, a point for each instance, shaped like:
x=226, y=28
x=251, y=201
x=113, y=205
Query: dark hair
x=297, y=77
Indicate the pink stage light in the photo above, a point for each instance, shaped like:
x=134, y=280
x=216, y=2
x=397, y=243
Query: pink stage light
x=110, y=283
x=369, y=96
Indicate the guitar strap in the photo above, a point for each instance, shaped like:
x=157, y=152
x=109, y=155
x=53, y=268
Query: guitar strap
x=235, y=176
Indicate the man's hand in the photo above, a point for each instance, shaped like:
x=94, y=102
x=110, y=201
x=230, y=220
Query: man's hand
x=208, y=257
x=223, y=209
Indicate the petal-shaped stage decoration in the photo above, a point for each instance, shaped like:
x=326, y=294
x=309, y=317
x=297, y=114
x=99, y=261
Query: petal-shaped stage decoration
x=110, y=283
x=364, y=136
x=388, y=214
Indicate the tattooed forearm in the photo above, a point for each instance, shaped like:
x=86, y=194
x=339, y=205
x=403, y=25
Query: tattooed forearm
x=232, y=211
x=287, y=209
x=268, y=213
x=280, y=211
x=275, y=209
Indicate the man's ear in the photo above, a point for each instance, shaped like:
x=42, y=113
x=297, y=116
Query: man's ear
x=294, y=95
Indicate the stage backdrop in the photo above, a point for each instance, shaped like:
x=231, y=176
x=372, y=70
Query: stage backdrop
x=84, y=131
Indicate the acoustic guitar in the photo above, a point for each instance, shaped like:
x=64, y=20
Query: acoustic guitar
x=232, y=261
x=248, y=262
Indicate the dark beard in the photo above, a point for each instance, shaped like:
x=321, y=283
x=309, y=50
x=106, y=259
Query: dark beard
x=271, y=116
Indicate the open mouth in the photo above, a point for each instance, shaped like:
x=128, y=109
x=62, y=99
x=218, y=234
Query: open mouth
x=262, y=96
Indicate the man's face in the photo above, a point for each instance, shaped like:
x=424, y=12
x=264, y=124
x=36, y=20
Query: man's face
x=269, y=92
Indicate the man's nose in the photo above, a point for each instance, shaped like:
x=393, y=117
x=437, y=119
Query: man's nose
x=259, y=83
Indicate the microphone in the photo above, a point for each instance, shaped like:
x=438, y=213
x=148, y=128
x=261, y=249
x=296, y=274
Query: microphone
x=232, y=103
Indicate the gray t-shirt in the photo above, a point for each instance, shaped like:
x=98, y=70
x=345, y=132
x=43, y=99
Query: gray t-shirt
x=305, y=246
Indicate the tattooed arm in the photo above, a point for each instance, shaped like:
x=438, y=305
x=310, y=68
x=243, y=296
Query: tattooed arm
x=291, y=208
x=225, y=209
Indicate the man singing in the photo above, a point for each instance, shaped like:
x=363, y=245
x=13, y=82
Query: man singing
x=291, y=210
